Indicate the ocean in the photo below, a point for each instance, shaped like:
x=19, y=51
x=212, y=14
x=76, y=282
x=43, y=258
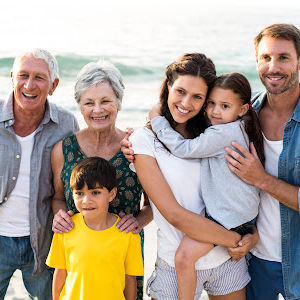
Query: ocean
x=140, y=37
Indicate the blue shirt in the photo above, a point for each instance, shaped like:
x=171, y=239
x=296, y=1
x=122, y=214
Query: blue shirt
x=289, y=171
x=56, y=124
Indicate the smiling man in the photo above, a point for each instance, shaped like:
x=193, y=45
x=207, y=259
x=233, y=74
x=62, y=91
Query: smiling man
x=29, y=127
x=275, y=263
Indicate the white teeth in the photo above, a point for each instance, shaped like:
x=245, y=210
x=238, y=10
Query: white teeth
x=100, y=118
x=29, y=95
x=275, y=78
x=182, y=110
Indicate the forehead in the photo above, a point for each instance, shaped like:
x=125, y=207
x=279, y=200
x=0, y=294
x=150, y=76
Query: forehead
x=274, y=46
x=191, y=83
x=31, y=64
x=219, y=94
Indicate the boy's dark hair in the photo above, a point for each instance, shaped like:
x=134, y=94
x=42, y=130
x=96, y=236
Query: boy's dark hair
x=94, y=172
x=240, y=85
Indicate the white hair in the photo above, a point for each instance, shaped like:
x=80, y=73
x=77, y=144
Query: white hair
x=42, y=54
x=94, y=73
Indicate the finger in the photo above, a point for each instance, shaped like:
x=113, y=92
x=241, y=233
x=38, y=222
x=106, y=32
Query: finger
x=70, y=213
x=241, y=148
x=129, y=131
x=233, y=162
x=131, y=227
x=253, y=150
x=59, y=228
x=137, y=230
x=60, y=221
x=64, y=215
x=235, y=155
x=121, y=214
x=124, y=219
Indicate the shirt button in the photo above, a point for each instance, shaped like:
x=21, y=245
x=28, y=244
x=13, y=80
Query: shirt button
x=14, y=178
x=5, y=198
x=17, y=156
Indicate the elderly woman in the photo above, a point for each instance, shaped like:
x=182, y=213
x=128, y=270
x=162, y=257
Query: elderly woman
x=99, y=92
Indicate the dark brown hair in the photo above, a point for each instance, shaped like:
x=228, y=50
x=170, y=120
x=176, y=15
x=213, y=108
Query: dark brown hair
x=94, y=172
x=280, y=31
x=240, y=85
x=195, y=64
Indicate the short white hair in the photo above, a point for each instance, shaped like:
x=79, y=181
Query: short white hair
x=42, y=54
x=97, y=72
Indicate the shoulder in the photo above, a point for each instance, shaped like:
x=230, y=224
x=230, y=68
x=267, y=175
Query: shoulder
x=64, y=117
x=143, y=141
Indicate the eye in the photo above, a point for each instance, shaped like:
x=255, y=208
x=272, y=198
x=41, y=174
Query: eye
x=96, y=192
x=266, y=57
x=23, y=75
x=198, y=97
x=283, y=57
x=39, y=77
x=225, y=106
x=210, y=102
x=78, y=193
x=180, y=91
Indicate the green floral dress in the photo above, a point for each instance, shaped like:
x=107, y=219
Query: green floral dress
x=129, y=189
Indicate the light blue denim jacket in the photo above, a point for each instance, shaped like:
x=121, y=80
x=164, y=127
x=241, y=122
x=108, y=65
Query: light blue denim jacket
x=56, y=124
x=289, y=171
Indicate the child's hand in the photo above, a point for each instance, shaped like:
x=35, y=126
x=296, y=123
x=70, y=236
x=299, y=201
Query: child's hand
x=155, y=111
x=62, y=221
x=125, y=145
x=128, y=223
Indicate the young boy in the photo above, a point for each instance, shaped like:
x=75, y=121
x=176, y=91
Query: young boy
x=95, y=260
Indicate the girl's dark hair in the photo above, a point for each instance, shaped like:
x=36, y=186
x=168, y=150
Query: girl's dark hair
x=195, y=64
x=240, y=85
x=94, y=172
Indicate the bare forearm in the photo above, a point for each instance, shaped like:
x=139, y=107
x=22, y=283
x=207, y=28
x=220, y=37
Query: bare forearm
x=145, y=216
x=194, y=225
x=59, y=279
x=130, y=287
x=58, y=204
x=284, y=192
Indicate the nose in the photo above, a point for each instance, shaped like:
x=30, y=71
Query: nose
x=29, y=84
x=85, y=199
x=186, y=101
x=98, y=107
x=273, y=66
x=216, y=109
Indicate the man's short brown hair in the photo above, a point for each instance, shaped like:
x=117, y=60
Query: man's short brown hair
x=280, y=31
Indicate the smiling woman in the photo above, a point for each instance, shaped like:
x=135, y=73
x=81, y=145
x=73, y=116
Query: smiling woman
x=98, y=92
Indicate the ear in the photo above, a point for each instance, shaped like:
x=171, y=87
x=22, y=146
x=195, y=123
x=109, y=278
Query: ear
x=244, y=110
x=54, y=86
x=112, y=194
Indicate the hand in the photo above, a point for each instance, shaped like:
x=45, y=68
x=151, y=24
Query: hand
x=125, y=145
x=247, y=242
x=248, y=168
x=62, y=221
x=155, y=111
x=128, y=223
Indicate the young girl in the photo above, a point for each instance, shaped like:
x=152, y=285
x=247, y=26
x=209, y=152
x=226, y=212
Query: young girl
x=228, y=200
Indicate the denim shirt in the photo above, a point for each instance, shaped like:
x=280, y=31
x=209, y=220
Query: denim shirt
x=56, y=124
x=289, y=171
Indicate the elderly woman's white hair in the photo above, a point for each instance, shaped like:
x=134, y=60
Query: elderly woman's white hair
x=42, y=54
x=94, y=73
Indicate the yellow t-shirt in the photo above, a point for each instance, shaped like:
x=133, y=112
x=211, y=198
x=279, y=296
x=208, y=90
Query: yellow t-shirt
x=96, y=261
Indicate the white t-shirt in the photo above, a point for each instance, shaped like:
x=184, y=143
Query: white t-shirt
x=183, y=177
x=14, y=213
x=268, y=220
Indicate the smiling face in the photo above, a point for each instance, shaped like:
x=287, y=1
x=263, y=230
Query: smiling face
x=93, y=203
x=277, y=64
x=186, y=97
x=99, y=106
x=224, y=106
x=32, y=83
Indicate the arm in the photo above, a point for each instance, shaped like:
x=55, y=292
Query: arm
x=194, y=225
x=247, y=242
x=62, y=221
x=59, y=279
x=130, y=287
x=250, y=170
x=210, y=143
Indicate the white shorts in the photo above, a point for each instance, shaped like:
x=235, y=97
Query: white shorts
x=227, y=278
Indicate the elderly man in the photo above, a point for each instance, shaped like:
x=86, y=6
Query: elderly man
x=29, y=127
x=275, y=263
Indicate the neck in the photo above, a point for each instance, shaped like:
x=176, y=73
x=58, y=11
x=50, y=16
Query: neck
x=26, y=121
x=102, y=138
x=181, y=128
x=100, y=223
x=284, y=103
